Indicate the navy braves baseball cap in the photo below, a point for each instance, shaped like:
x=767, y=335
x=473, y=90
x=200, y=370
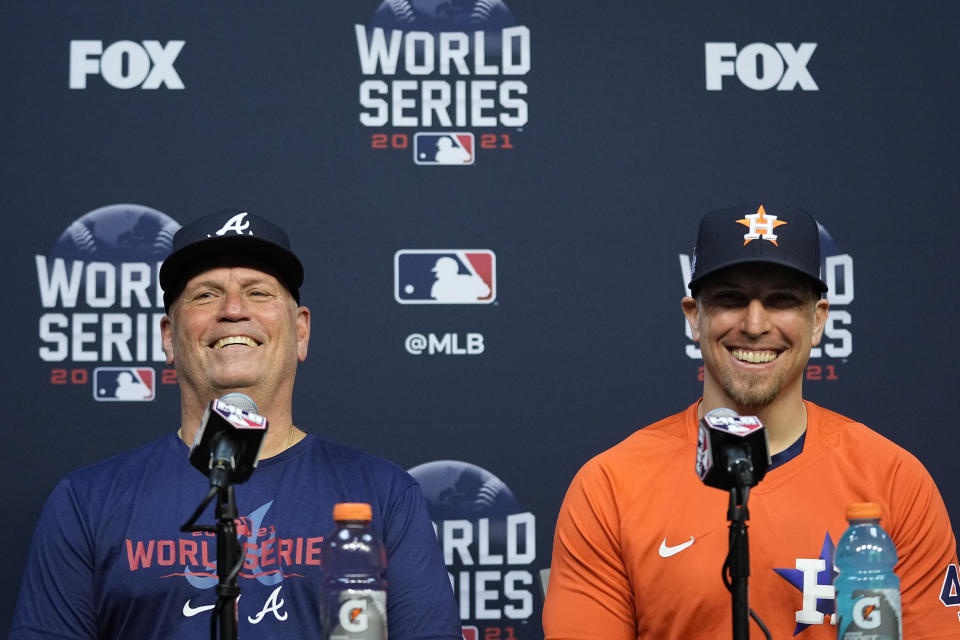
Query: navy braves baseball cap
x=757, y=232
x=229, y=236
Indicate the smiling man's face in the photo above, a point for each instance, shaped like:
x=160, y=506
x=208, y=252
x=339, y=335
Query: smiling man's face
x=755, y=324
x=235, y=329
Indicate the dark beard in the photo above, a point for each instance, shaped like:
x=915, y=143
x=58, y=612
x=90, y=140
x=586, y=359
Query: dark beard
x=752, y=397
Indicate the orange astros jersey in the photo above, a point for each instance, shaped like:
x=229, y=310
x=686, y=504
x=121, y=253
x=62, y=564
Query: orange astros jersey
x=640, y=541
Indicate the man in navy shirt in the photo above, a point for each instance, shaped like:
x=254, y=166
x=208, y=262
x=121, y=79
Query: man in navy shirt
x=108, y=559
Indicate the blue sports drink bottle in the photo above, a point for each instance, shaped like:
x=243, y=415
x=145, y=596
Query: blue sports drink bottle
x=867, y=589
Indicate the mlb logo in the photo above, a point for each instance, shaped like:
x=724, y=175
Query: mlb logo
x=737, y=425
x=444, y=276
x=239, y=418
x=470, y=633
x=124, y=384
x=455, y=148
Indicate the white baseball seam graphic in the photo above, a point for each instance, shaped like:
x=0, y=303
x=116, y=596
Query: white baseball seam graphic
x=402, y=10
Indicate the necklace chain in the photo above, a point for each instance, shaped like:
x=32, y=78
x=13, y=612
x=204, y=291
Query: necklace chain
x=289, y=440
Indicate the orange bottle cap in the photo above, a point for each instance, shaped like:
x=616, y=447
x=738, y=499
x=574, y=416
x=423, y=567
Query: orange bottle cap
x=352, y=511
x=864, y=511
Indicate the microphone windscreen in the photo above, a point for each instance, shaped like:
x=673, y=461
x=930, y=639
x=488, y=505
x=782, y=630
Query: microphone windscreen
x=240, y=401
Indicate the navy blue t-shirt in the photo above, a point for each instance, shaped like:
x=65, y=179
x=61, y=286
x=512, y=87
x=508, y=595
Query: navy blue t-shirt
x=108, y=559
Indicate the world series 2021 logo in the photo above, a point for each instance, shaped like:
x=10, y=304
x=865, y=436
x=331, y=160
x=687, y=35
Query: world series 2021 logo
x=489, y=546
x=102, y=304
x=451, y=70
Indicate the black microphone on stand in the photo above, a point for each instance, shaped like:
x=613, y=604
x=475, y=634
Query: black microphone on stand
x=733, y=455
x=732, y=450
x=227, y=447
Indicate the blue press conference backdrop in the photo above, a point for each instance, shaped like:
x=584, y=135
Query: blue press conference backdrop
x=547, y=160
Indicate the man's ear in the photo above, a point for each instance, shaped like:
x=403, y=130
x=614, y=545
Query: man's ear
x=303, y=332
x=692, y=313
x=819, y=320
x=166, y=332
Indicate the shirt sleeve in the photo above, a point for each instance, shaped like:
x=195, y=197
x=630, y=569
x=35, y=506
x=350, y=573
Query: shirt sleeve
x=420, y=600
x=57, y=593
x=927, y=550
x=589, y=594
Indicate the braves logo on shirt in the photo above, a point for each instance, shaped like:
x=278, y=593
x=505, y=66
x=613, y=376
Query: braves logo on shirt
x=268, y=559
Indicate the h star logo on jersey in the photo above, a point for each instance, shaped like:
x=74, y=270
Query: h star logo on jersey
x=760, y=226
x=814, y=578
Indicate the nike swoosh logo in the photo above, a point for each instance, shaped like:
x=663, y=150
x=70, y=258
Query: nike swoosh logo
x=666, y=552
x=189, y=611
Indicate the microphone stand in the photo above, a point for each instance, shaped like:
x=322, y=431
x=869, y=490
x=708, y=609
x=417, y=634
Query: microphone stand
x=738, y=561
x=229, y=556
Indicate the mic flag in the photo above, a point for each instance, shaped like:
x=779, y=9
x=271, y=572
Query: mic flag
x=732, y=450
x=227, y=447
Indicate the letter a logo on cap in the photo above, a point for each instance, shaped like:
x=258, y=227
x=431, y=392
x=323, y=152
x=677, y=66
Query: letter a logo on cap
x=238, y=225
x=760, y=226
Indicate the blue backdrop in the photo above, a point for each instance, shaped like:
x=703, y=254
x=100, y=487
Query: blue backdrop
x=581, y=142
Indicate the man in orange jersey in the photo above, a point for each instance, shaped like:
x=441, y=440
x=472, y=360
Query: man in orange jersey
x=640, y=541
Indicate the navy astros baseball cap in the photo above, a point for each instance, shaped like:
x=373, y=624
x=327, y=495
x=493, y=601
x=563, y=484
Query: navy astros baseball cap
x=231, y=234
x=757, y=232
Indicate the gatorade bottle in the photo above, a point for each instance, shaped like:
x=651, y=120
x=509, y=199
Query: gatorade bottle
x=868, y=591
x=354, y=588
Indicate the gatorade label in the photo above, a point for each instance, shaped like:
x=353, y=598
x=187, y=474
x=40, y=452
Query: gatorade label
x=874, y=615
x=361, y=615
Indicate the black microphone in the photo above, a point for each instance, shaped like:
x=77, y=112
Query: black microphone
x=732, y=450
x=227, y=447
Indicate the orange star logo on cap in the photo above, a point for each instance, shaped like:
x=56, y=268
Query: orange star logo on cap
x=760, y=226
